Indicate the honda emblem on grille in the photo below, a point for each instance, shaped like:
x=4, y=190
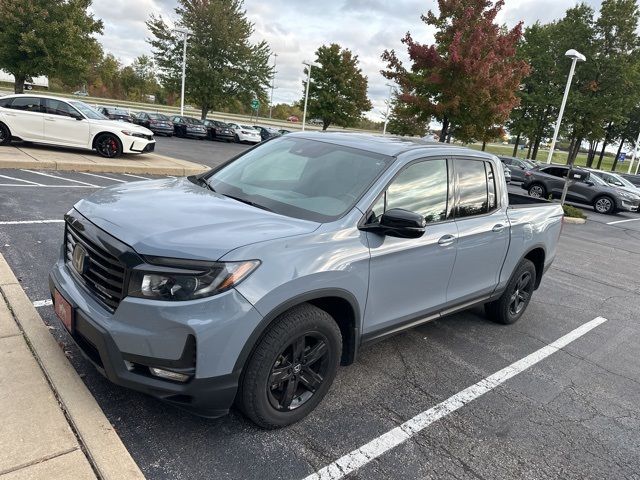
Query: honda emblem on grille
x=79, y=259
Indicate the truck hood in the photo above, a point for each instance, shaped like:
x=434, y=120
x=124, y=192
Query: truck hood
x=176, y=218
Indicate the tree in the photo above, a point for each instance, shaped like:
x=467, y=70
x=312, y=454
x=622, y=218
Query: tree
x=41, y=37
x=404, y=121
x=222, y=64
x=469, y=77
x=338, y=89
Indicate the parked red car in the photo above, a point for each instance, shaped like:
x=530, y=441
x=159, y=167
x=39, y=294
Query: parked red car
x=293, y=118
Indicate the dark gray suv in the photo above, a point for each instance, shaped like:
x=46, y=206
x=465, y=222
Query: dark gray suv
x=549, y=181
x=517, y=166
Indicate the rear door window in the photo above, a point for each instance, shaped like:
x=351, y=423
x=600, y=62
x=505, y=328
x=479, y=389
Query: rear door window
x=26, y=104
x=472, y=197
x=56, y=107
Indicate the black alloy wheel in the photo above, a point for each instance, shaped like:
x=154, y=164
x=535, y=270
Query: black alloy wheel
x=291, y=368
x=515, y=298
x=108, y=146
x=298, y=372
x=5, y=134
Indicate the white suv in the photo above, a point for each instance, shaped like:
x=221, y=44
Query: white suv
x=69, y=123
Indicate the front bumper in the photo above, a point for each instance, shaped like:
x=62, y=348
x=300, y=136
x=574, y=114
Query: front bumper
x=203, y=338
x=138, y=145
x=629, y=205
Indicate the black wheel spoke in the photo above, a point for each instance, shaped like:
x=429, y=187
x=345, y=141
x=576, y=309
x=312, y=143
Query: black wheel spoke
x=279, y=375
x=298, y=350
x=310, y=379
x=315, y=354
x=289, y=392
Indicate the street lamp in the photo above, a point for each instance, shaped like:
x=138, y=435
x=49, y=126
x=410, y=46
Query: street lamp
x=185, y=34
x=273, y=83
x=306, y=93
x=633, y=155
x=575, y=57
x=386, y=115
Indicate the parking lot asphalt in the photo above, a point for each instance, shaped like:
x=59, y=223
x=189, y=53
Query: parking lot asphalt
x=200, y=151
x=575, y=414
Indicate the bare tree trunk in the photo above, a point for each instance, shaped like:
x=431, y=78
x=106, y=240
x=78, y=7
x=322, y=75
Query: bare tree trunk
x=615, y=160
x=19, y=85
x=604, y=145
x=593, y=146
x=484, y=145
x=445, y=130
x=204, y=111
x=573, y=153
x=536, y=145
x=515, y=147
x=325, y=125
x=530, y=147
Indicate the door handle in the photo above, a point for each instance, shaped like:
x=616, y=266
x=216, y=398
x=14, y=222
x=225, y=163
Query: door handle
x=10, y=114
x=498, y=228
x=446, y=240
x=46, y=119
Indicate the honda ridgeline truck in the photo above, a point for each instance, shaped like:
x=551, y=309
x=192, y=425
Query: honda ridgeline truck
x=253, y=282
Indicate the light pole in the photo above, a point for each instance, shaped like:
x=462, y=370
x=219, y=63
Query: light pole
x=386, y=115
x=306, y=93
x=185, y=34
x=633, y=155
x=575, y=57
x=273, y=83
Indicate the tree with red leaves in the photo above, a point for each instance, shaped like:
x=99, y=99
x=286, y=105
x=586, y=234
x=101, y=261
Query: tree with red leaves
x=468, y=79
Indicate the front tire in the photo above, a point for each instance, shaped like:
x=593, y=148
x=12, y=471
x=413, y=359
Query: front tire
x=515, y=299
x=108, y=145
x=292, y=367
x=5, y=134
x=604, y=205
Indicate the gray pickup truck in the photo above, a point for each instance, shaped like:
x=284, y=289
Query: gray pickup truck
x=253, y=282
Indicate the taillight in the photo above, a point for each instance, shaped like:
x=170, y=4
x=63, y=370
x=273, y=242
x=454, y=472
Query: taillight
x=246, y=133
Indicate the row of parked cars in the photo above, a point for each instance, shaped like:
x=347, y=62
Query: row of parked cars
x=606, y=192
x=190, y=127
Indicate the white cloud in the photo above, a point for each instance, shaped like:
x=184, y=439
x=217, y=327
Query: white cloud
x=294, y=30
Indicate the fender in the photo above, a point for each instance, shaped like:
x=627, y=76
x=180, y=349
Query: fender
x=257, y=333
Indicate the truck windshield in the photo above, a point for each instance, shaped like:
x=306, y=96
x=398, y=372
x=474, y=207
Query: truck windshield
x=301, y=178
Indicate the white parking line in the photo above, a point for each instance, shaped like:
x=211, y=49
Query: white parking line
x=21, y=180
x=59, y=178
x=42, y=303
x=363, y=455
x=622, y=221
x=102, y=176
x=48, y=186
x=135, y=176
x=29, y=222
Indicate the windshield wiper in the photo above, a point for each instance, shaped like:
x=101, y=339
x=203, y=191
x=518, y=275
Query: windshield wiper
x=249, y=202
x=204, y=183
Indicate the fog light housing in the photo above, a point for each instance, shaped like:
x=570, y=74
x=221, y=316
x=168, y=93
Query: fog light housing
x=169, y=375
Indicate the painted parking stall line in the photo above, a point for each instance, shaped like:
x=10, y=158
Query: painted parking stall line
x=102, y=176
x=353, y=461
x=21, y=180
x=623, y=221
x=47, y=186
x=57, y=177
x=29, y=222
x=135, y=176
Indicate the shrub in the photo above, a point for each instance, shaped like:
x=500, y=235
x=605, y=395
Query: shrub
x=574, y=212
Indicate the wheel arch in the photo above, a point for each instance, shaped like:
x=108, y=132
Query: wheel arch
x=537, y=256
x=610, y=197
x=340, y=304
x=97, y=135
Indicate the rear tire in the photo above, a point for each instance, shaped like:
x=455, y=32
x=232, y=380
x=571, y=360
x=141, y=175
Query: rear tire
x=604, y=205
x=516, y=297
x=5, y=134
x=537, y=190
x=291, y=368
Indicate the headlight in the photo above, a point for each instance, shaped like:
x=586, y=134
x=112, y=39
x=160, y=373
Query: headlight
x=134, y=134
x=629, y=195
x=189, y=280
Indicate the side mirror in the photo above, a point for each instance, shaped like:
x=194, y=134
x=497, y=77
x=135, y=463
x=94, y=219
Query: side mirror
x=589, y=183
x=397, y=222
x=77, y=116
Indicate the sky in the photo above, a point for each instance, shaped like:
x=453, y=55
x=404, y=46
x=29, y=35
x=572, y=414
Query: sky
x=295, y=29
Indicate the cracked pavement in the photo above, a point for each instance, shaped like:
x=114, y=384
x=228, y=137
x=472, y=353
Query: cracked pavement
x=575, y=415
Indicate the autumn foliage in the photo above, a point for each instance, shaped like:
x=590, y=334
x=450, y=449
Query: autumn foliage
x=469, y=78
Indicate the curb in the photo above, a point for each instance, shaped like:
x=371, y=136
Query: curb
x=574, y=220
x=100, y=442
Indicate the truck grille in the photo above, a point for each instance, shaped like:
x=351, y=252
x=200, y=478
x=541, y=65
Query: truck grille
x=103, y=274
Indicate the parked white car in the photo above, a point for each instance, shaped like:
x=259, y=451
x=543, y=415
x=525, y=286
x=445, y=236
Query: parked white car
x=245, y=133
x=69, y=123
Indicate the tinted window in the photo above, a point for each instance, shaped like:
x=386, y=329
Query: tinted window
x=56, y=107
x=28, y=104
x=420, y=188
x=471, y=180
x=555, y=171
x=506, y=160
x=4, y=102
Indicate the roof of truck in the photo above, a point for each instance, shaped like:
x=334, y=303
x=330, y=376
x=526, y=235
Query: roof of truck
x=384, y=144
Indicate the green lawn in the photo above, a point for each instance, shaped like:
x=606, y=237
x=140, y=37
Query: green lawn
x=558, y=157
